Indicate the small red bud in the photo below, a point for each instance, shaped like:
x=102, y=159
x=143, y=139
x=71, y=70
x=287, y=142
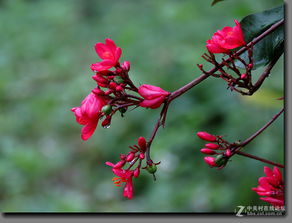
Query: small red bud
x=210, y=160
x=212, y=146
x=123, y=156
x=206, y=136
x=100, y=79
x=141, y=156
x=119, y=164
x=112, y=85
x=243, y=76
x=130, y=157
x=228, y=152
x=142, y=143
x=98, y=91
x=208, y=151
x=126, y=66
x=250, y=65
x=107, y=121
x=136, y=172
x=119, y=88
x=108, y=92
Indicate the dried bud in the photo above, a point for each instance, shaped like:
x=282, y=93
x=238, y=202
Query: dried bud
x=210, y=160
x=212, y=146
x=107, y=109
x=206, y=136
x=136, y=172
x=142, y=143
x=151, y=168
x=208, y=151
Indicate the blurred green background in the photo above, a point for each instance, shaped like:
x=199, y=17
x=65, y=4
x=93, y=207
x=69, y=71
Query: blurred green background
x=46, y=48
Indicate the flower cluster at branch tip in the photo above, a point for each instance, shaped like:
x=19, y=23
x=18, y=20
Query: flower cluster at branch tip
x=153, y=96
x=215, y=143
x=271, y=187
x=134, y=160
x=113, y=91
x=226, y=39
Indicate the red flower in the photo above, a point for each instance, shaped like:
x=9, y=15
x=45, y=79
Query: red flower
x=271, y=187
x=153, y=96
x=206, y=136
x=226, y=39
x=123, y=176
x=109, y=53
x=88, y=113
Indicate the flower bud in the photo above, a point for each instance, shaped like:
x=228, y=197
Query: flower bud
x=210, y=160
x=136, y=172
x=141, y=156
x=151, y=168
x=212, y=146
x=142, y=143
x=100, y=79
x=106, y=122
x=243, y=76
x=108, y=92
x=228, y=153
x=208, y=151
x=126, y=66
x=119, y=164
x=130, y=157
x=112, y=85
x=123, y=156
x=98, y=91
x=119, y=88
x=107, y=109
x=250, y=65
x=206, y=136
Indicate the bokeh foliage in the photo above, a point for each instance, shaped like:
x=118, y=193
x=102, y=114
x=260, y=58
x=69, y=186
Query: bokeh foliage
x=46, y=48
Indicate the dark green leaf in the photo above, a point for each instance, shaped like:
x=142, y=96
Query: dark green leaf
x=216, y=1
x=272, y=45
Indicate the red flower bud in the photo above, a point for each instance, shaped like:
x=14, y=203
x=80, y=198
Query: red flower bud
x=100, y=79
x=123, y=156
x=243, y=76
x=250, y=65
x=141, y=156
x=228, y=152
x=136, y=172
x=108, y=92
x=142, y=143
x=107, y=121
x=130, y=157
x=98, y=91
x=210, y=160
x=113, y=85
x=119, y=164
x=206, y=136
x=119, y=88
x=212, y=146
x=208, y=151
x=126, y=66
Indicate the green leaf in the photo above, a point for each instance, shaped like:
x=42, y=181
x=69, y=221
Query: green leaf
x=269, y=47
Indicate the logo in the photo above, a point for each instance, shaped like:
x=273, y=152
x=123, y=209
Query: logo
x=240, y=210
